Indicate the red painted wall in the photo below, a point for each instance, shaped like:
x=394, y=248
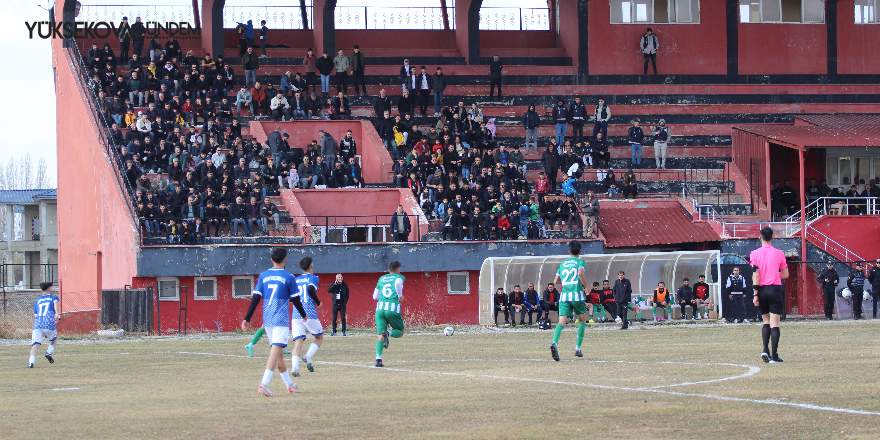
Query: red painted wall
x=852, y=41
x=856, y=233
x=684, y=48
x=101, y=255
x=785, y=48
x=400, y=39
x=517, y=39
x=376, y=163
x=425, y=303
x=746, y=146
x=568, y=30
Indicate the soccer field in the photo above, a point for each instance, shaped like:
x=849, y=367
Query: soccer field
x=668, y=381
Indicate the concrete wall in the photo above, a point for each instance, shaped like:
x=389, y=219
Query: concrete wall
x=852, y=40
x=156, y=261
x=854, y=232
x=376, y=163
x=97, y=234
x=782, y=48
x=426, y=302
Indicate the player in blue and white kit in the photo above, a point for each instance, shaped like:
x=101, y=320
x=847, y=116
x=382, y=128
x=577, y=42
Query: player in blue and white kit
x=307, y=291
x=47, y=313
x=277, y=286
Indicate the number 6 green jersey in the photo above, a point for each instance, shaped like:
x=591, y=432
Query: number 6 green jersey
x=572, y=289
x=388, y=299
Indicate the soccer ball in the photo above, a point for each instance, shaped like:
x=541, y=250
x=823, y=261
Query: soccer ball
x=867, y=295
x=448, y=331
x=846, y=293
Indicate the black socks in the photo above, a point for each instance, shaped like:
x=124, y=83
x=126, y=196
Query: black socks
x=765, y=336
x=774, y=341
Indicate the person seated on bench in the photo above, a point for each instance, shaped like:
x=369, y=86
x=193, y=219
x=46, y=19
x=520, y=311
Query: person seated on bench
x=636, y=306
x=607, y=300
x=662, y=299
x=532, y=302
x=701, y=295
x=595, y=304
x=501, y=301
x=516, y=303
x=550, y=301
x=685, y=297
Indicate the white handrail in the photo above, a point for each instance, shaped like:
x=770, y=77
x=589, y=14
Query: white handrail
x=819, y=207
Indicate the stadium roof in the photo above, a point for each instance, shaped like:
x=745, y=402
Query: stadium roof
x=27, y=195
x=649, y=226
x=822, y=131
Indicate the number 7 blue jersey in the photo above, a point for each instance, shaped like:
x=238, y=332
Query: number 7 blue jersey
x=302, y=285
x=276, y=287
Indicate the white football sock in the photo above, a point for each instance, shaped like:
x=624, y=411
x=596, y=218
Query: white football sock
x=32, y=359
x=294, y=363
x=50, y=350
x=285, y=376
x=267, y=376
x=312, y=350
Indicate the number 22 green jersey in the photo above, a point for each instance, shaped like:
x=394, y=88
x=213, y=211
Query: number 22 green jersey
x=388, y=299
x=572, y=289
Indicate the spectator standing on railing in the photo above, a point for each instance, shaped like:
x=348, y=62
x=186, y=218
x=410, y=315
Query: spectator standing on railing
x=649, y=45
x=829, y=280
x=358, y=67
x=250, y=63
x=400, y=225
x=341, y=63
x=495, y=68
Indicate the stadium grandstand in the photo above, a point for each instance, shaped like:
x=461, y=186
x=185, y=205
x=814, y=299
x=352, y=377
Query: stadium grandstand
x=652, y=126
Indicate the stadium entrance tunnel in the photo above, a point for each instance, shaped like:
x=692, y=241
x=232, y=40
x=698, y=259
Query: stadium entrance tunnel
x=644, y=270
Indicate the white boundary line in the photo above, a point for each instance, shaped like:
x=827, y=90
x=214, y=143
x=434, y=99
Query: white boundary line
x=656, y=390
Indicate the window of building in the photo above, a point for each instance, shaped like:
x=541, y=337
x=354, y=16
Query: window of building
x=206, y=288
x=655, y=11
x=169, y=289
x=782, y=11
x=851, y=170
x=458, y=283
x=866, y=11
x=242, y=287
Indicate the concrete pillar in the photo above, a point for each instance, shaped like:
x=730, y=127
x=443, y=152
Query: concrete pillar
x=467, y=29
x=572, y=34
x=324, y=27
x=212, y=26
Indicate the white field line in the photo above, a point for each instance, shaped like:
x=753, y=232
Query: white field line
x=751, y=371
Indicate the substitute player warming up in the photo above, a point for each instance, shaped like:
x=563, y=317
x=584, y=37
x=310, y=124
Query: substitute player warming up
x=277, y=286
x=388, y=293
x=770, y=269
x=307, y=291
x=47, y=313
x=572, y=302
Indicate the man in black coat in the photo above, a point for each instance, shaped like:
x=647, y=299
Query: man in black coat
x=550, y=161
x=339, y=292
x=829, y=279
x=382, y=104
x=495, y=68
x=874, y=279
x=685, y=297
x=500, y=301
x=622, y=292
x=400, y=225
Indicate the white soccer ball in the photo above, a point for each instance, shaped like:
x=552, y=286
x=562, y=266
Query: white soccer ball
x=449, y=331
x=867, y=295
x=846, y=293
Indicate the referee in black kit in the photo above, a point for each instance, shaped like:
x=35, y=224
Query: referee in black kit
x=769, y=269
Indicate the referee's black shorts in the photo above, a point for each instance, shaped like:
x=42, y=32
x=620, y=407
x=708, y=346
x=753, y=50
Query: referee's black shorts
x=770, y=299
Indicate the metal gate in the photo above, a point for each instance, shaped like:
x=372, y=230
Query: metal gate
x=128, y=309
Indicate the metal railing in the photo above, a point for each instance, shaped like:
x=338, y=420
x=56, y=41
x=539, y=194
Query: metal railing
x=515, y=19
x=370, y=17
x=837, y=205
x=277, y=17
x=19, y=276
x=103, y=126
x=149, y=13
x=832, y=247
x=708, y=213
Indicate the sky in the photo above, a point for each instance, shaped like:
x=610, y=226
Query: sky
x=30, y=101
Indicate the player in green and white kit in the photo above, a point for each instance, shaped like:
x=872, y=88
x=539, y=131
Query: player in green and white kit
x=388, y=293
x=572, y=301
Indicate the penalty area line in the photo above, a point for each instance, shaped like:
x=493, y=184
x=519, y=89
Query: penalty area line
x=774, y=402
